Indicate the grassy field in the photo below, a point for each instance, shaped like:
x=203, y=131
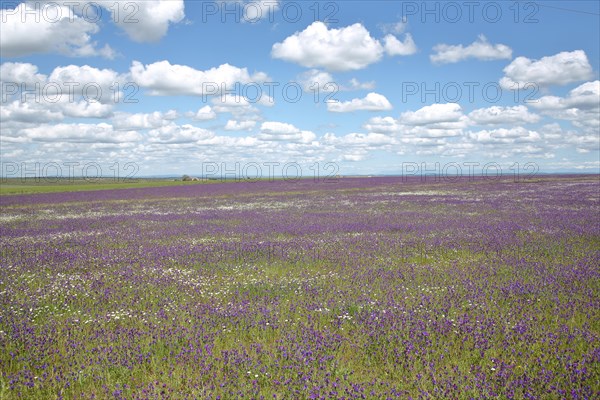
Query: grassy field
x=363, y=289
x=19, y=186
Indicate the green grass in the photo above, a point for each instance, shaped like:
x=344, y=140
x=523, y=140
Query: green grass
x=18, y=186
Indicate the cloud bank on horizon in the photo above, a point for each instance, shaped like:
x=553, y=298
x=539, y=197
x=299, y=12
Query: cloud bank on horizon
x=172, y=85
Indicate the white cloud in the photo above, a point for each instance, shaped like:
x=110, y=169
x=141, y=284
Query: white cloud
x=80, y=133
x=496, y=115
x=164, y=79
x=395, y=47
x=314, y=79
x=583, y=142
x=387, y=125
x=559, y=69
x=433, y=121
x=505, y=136
x=259, y=9
x=70, y=79
x=85, y=109
x=229, y=143
x=239, y=107
x=584, y=96
x=371, y=102
x=21, y=73
x=317, y=81
x=354, y=157
x=551, y=132
x=435, y=114
x=370, y=140
x=144, y=21
x=581, y=106
x=37, y=27
x=356, y=85
x=204, y=114
x=27, y=113
x=280, y=131
x=424, y=142
x=70, y=91
x=440, y=130
x=395, y=27
x=480, y=49
x=233, y=125
x=176, y=134
x=98, y=84
x=126, y=121
x=356, y=146
x=343, y=49
x=457, y=149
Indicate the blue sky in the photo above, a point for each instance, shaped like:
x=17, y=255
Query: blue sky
x=398, y=83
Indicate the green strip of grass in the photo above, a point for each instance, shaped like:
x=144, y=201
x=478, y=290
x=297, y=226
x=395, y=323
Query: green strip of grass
x=16, y=186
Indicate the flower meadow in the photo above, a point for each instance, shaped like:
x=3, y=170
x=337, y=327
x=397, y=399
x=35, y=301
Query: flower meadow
x=363, y=288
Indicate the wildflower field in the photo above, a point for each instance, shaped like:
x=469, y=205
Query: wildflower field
x=363, y=288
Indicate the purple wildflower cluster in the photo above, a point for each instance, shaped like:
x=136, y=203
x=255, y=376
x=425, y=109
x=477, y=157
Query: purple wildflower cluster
x=367, y=288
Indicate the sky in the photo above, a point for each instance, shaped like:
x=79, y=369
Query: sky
x=298, y=88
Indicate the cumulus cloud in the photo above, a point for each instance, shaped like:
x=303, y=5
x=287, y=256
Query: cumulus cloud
x=356, y=146
x=179, y=134
x=386, y=125
x=318, y=81
x=164, y=79
x=80, y=133
x=440, y=129
x=204, y=114
x=354, y=84
x=28, y=113
x=433, y=121
x=233, y=125
x=315, y=79
x=34, y=111
x=69, y=91
x=86, y=109
x=281, y=131
x=480, y=49
x=448, y=114
x=370, y=140
x=584, y=96
x=256, y=10
x=355, y=156
x=371, y=102
x=102, y=85
x=395, y=47
x=97, y=84
x=583, y=142
x=37, y=27
x=496, y=115
x=559, y=69
x=581, y=106
x=147, y=20
x=344, y=49
x=239, y=107
x=505, y=136
x=21, y=73
x=394, y=27
x=127, y=121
